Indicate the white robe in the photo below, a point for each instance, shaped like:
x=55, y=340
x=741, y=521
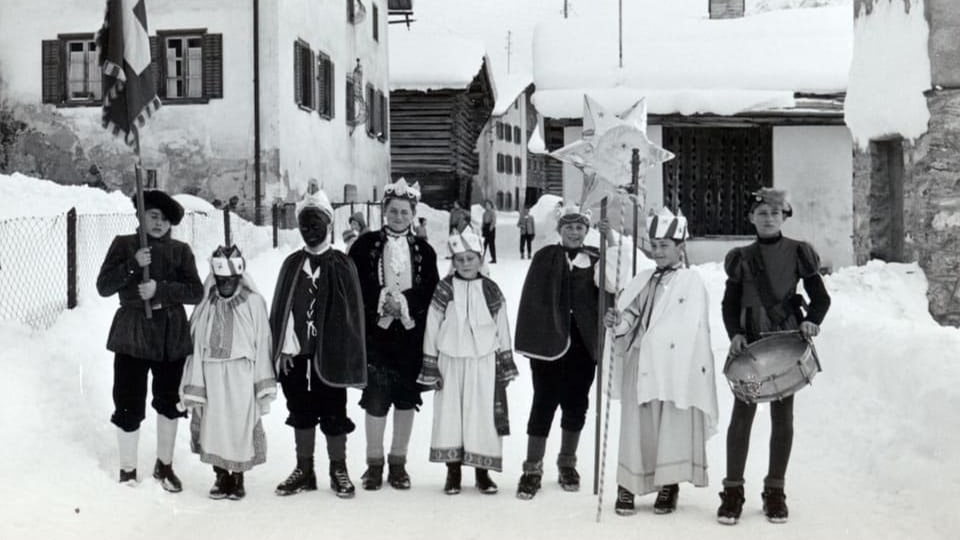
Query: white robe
x=465, y=340
x=665, y=375
x=230, y=386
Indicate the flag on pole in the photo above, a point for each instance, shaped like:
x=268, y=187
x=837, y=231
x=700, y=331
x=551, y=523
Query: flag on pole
x=129, y=94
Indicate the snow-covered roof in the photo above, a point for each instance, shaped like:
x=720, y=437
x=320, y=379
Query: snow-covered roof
x=432, y=61
x=690, y=64
x=509, y=88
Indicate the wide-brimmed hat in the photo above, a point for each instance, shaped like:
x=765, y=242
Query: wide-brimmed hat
x=155, y=199
x=773, y=197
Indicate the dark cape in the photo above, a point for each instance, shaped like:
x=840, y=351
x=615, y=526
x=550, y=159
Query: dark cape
x=553, y=296
x=340, y=356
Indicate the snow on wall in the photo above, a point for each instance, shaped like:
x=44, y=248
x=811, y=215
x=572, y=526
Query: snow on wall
x=889, y=73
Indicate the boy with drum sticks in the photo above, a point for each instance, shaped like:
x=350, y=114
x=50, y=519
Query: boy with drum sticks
x=760, y=297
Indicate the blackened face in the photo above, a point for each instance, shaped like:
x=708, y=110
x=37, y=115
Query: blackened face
x=227, y=285
x=313, y=226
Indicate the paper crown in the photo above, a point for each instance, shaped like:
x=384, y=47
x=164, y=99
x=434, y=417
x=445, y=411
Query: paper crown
x=572, y=214
x=401, y=190
x=464, y=241
x=773, y=197
x=315, y=198
x=664, y=224
x=227, y=261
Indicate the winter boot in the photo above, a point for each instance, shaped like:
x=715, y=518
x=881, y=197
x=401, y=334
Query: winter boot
x=168, y=479
x=530, y=480
x=452, y=485
x=624, y=505
x=731, y=505
x=238, y=492
x=667, y=499
x=302, y=478
x=340, y=480
x=485, y=484
x=398, y=477
x=567, y=461
x=372, y=478
x=128, y=477
x=775, y=505
x=222, y=486
x=569, y=479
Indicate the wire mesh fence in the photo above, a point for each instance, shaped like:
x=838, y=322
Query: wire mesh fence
x=33, y=269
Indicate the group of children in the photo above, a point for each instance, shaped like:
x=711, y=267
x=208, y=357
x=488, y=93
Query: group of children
x=380, y=318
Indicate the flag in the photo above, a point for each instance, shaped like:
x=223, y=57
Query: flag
x=129, y=94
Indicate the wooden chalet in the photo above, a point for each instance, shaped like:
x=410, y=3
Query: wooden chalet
x=433, y=136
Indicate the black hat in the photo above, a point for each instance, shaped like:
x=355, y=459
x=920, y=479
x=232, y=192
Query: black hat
x=156, y=199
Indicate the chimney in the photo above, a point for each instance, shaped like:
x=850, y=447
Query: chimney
x=726, y=9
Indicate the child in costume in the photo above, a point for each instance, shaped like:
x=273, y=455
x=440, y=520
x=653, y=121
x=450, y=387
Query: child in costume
x=663, y=368
x=398, y=272
x=760, y=296
x=468, y=360
x=316, y=319
x=160, y=344
x=229, y=382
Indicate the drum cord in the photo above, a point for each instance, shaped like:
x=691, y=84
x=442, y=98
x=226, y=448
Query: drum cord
x=606, y=416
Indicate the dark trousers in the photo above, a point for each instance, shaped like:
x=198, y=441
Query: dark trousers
x=781, y=440
x=490, y=245
x=311, y=402
x=564, y=382
x=130, y=389
x=526, y=240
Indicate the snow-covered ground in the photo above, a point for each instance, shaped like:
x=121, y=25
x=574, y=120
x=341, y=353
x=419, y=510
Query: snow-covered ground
x=873, y=454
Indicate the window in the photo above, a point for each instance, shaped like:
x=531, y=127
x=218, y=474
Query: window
x=384, y=115
x=516, y=135
x=151, y=179
x=500, y=130
x=183, y=66
x=507, y=132
x=713, y=173
x=499, y=162
x=304, y=69
x=508, y=202
x=351, y=11
x=188, y=65
x=516, y=166
x=375, y=20
x=351, y=114
x=71, y=71
x=500, y=200
x=507, y=164
x=371, y=113
x=325, y=94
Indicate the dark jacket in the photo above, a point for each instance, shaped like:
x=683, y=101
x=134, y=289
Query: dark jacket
x=395, y=347
x=166, y=336
x=339, y=358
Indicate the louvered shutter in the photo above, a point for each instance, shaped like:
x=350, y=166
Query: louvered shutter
x=297, y=73
x=213, y=66
x=157, y=66
x=52, y=70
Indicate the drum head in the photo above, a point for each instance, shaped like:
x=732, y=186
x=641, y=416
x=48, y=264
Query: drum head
x=773, y=367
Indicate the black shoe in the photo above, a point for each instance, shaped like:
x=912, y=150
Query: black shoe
x=529, y=486
x=168, y=479
x=485, y=484
x=397, y=476
x=731, y=505
x=372, y=478
x=128, y=477
x=301, y=479
x=222, y=485
x=775, y=505
x=569, y=479
x=624, y=505
x=452, y=485
x=667, y=499
x=340, y=480
x=237, y=492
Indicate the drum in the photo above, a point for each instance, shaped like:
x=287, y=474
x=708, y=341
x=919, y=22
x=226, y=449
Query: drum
x=773, y=367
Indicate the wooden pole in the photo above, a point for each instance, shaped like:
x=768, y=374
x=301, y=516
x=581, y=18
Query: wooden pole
x=72, y=258
x=276, y=223
x=635, y=178
x=226, y=226
x=601, y=331
x=148, y=311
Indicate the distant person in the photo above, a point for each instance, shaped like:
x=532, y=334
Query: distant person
x=459, y=218
x=357, y=225
x=420, y=231
x=468, y=360
x=528, y=230
x=229, y=381
x=761, y=296
x=158, y=345
x=489, y=230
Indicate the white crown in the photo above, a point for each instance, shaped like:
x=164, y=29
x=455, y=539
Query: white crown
x=664, y=224
x=465, y=241
x=572, y=214
x=315, y=198
x=402, y=190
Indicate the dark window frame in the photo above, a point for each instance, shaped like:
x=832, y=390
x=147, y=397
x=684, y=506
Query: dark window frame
x=507, y=132
x=370, y=99
x=304, y=74
x=325, y=86
x=375, y=21
x=516, y=135
x=517, y=166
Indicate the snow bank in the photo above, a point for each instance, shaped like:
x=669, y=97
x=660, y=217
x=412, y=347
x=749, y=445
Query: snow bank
x=889, y=73
x=24, y=196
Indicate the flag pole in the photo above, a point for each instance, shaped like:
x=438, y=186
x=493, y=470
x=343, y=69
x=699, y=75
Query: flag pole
x=226, y=226
x=601, y=302
x=148, y=311
x=635, y=181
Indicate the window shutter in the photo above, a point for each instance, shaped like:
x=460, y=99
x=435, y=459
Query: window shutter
x=310, y=94
x=370, y=119
x=297, y=73
x=51, y=64
x=156, y=65
x=331, y=102
x=376, y=22
x=351, y=113
x=213, y=66
x=385, y=116
x=319, y=85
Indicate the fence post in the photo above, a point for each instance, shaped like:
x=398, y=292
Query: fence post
x=226, y=226
x=72, y=258
x=276, y=223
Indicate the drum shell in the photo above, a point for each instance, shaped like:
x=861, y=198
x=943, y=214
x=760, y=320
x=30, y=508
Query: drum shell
x=772, y=368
